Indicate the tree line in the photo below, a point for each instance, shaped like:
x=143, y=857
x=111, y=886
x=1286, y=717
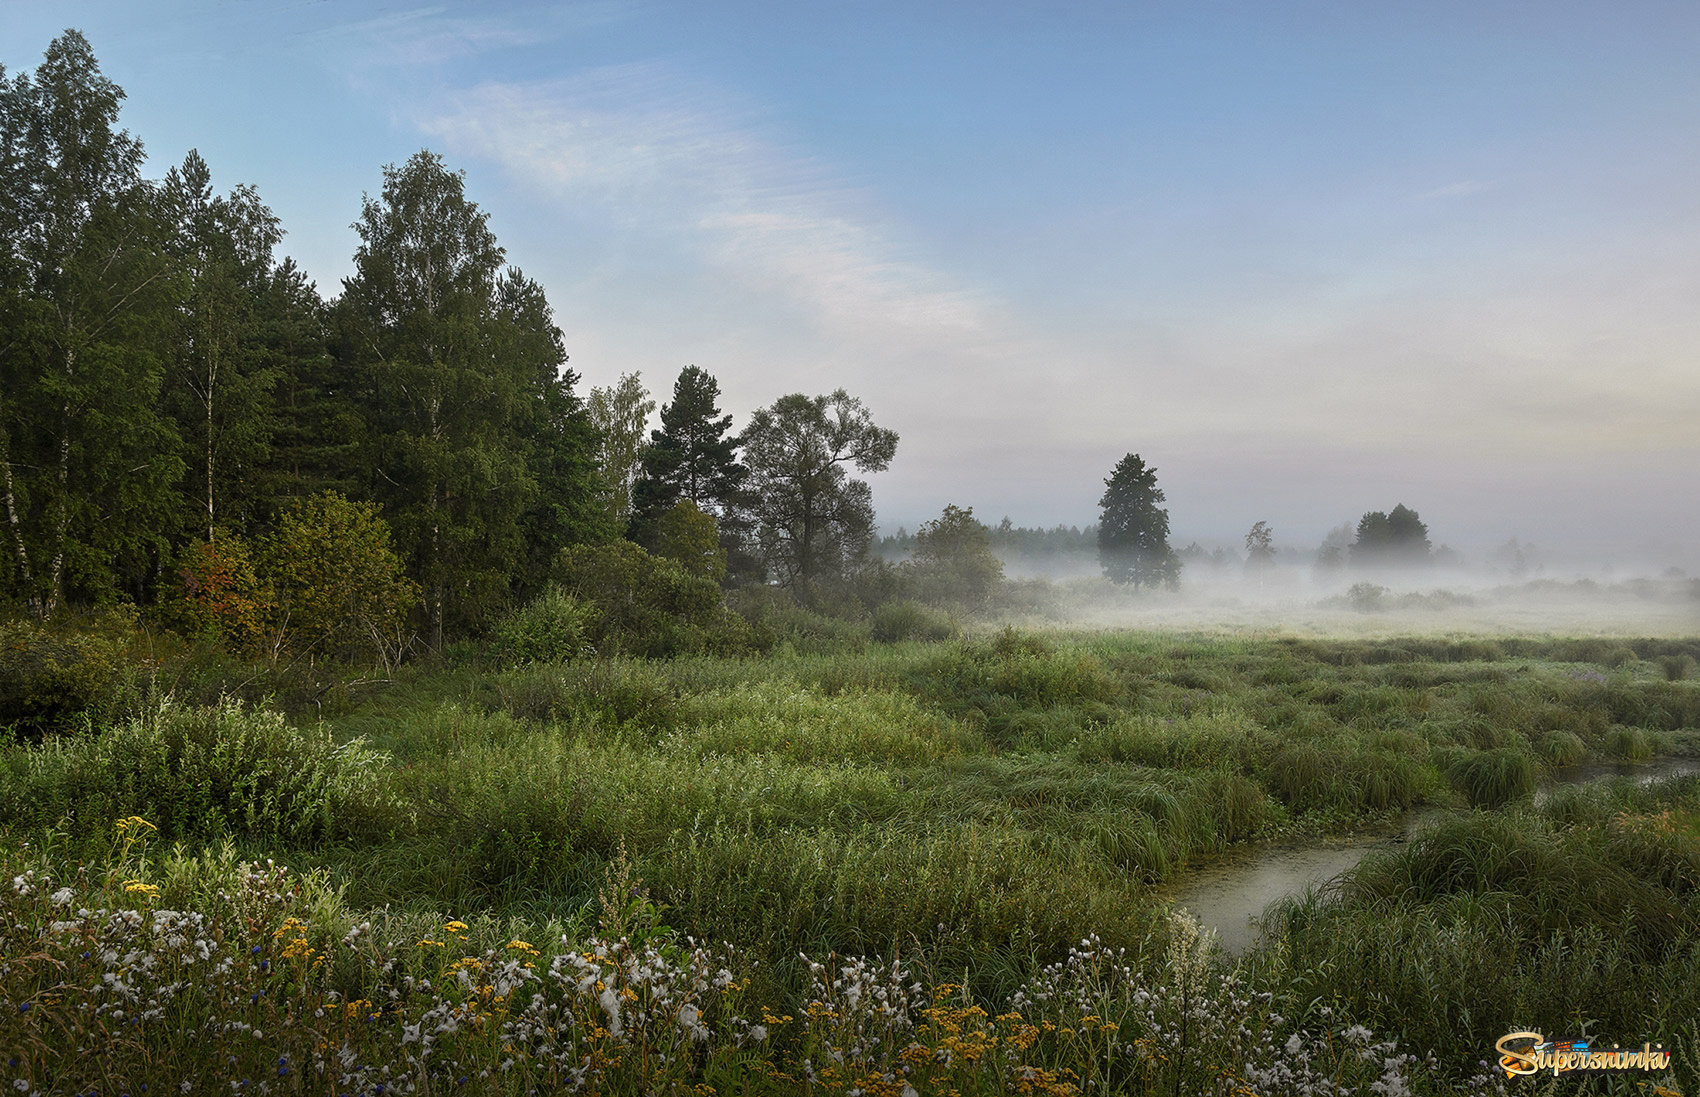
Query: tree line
x=185, y=423
x=179, y=407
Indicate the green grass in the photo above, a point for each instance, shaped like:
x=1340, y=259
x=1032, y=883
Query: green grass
x=983, y=801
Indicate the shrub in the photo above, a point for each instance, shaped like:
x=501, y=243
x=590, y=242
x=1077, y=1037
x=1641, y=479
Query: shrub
x=340, y=588
x=1563, y=748
x=906, y=620
x=648, y=605
x=1621, y=656
x=1629, y=744
x=1676, y=667
x=554, y=627
x=1367, y=597
x=1299, y=774
x=691, y=539
x=221, y=597
x=53, y=676
x=203, y=771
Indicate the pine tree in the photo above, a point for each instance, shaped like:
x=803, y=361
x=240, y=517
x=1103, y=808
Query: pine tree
x=689, y=457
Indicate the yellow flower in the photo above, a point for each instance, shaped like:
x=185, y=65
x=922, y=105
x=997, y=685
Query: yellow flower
x=456, y=927
x=137, y=887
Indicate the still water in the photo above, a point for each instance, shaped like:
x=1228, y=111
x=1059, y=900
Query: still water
x=1229, y=895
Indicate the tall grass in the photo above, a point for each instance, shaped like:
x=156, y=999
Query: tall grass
x=984, y=802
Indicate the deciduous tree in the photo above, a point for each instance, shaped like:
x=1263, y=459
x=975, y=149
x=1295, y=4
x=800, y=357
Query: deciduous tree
x=812, y=519
x=219, y=389
x=447, y=388
x=338, y=587
x=954, y=560
x=86, y=462
x=1260, y=549
x=618, y=414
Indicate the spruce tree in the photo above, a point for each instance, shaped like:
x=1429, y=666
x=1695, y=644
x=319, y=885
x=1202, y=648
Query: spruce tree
x=1133, y=530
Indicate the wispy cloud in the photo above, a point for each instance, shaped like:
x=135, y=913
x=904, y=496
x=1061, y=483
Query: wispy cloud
x=668, y=156
x=437, y=33
x=1454, y=190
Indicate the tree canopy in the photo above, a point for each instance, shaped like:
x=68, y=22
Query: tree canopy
x=87, y=293
x=691, y=456
x=1387, y=539
x=457, y=365
x=953, y=558
x=812, y=519
x=1133, y=528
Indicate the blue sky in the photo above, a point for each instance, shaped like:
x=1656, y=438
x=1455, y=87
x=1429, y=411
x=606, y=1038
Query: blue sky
x=1308, y=259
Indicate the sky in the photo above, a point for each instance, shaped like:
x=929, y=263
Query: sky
x=1308, y=259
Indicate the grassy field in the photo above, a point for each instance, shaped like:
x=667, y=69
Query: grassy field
x=863, y=866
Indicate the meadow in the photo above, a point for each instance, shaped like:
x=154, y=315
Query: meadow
x=849, y=864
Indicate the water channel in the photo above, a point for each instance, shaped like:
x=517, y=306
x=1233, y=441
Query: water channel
x=1230, y=894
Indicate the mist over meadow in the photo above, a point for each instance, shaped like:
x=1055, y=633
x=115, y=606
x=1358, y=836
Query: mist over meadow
x=505, y=584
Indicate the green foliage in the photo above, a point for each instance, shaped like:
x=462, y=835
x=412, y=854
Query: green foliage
x=203, y=772
x=689, y=458
x=1492, y=778
x=617, y=415
x=953, y=562
x=646, y=605
x=691, y=539
x=455, y=364
x=1563, y=748
x=339, y=587
x=905, y=620
x=1677, y=667
x=976, y=808
x=1367, y=597
x=223, y=372
x=1398, y=538
x=1133, y=528
x=553, y=627
x=777, y=618
x=1629, y=744
x=87, y=293
x=63, y=675
x=812, y=520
